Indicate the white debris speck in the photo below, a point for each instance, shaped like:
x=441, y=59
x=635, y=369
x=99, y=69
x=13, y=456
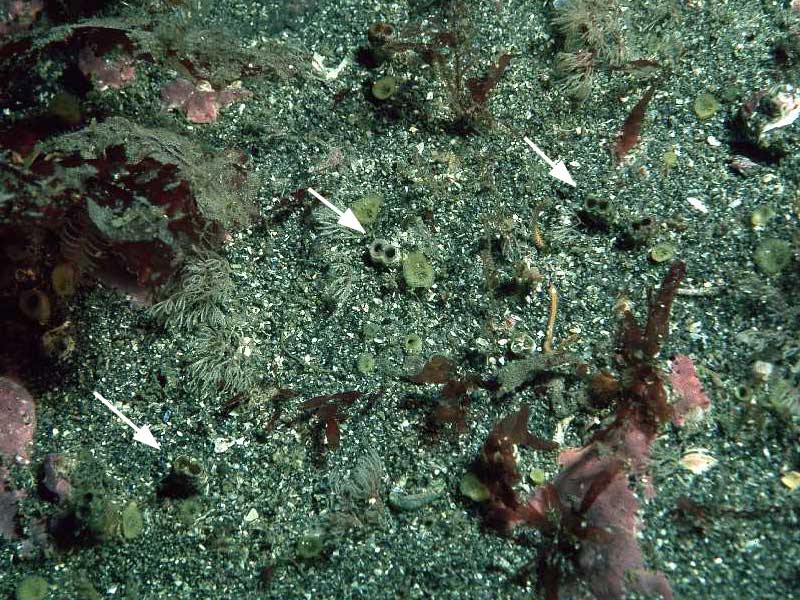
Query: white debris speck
x=697, y=204
x=251, y=516
x=561, y=430
x=318, y=65
x=223, y=444
x=763, y=370
x=713, y=142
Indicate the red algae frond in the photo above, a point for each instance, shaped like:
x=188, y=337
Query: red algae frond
x=632, y=126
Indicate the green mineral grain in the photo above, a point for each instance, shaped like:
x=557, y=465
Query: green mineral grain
x=669, y=160
x=538, y=476
x=662, y=252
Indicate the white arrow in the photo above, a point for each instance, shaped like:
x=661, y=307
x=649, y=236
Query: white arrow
x=346, y=218
x=142, y=434
x=557, y=169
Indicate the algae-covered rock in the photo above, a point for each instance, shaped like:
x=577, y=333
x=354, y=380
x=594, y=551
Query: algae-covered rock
x=472, y=487
x=368, y=208
x=366, y=363
x=772, y=255
x=32, y=587
x=705, y=106
x=384, y=88
x=417, y=270
x=132, y=522
x=310, y=545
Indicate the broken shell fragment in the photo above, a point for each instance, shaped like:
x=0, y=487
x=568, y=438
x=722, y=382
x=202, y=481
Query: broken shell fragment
x=791, y=479
x=765, y=118
x=698, y=461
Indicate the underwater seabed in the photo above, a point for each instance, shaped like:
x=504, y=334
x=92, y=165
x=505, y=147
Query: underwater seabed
x=425, y=299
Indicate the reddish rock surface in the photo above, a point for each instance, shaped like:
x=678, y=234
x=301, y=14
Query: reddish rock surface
x=8, y=508
x=17, y=421
x=199, y=103
x=106, y=73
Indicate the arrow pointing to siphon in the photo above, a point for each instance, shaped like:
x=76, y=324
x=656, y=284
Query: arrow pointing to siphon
x=346, y=218
x=557, y=169
x=142, y=434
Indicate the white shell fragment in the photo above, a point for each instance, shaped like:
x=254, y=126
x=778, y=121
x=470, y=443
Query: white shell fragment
x=698, y=460
x=791, y=480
